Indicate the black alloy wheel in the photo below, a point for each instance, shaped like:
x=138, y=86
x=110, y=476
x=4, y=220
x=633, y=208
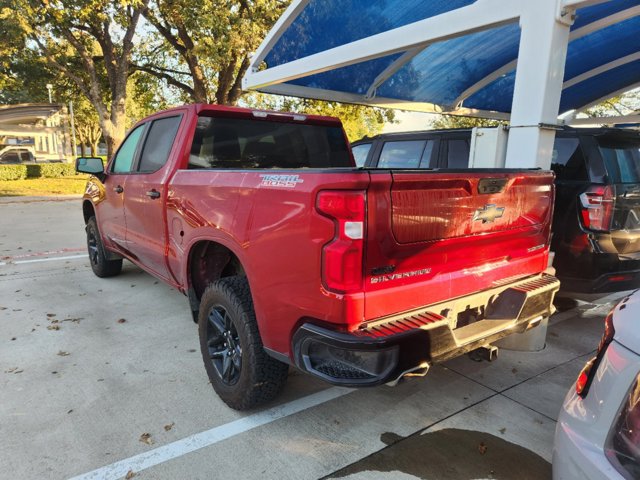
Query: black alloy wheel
x=224, y=346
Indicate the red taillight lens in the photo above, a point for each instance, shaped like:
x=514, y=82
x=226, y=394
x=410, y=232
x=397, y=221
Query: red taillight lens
x=342, y=257
x=586, y=375
x=597, y=207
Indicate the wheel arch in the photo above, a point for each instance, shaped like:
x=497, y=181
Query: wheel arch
x=208, y=261
x=88, y=210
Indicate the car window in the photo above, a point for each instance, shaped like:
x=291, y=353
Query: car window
x=127, y=151
x=567, y=160
x=360, y=153
x=158, y=143
x=621, y=159
x=402, y=154
x=240, y=143
x=458, y=153
x=10, y=157
x=425, y=161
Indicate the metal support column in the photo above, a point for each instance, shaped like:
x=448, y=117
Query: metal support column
x=544, y=39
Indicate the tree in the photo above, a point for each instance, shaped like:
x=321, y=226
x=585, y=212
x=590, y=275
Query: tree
x=209, y=44
x=91, y=43
x=358, y=120
x=456, y=121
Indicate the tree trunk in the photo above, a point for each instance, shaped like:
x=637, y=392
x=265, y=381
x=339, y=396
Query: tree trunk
x=94, y=149
x=83, y=149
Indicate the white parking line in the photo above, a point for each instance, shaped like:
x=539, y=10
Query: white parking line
x=40, y=260
x=209, y=437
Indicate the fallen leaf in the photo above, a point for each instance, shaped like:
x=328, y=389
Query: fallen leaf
x=74, y=320
x=514, y=370
x=55, y=321
x=169, y=426
x=13, y=339
x=146, y=438
x=122, y=320
x=53, y=327
x=502, y=430
x=130, y=475
x=63, y=353
x=482, y=448
x=3, y=308
x=192, y=350
x=55, y=372
x=51, y=315
x=70, y=411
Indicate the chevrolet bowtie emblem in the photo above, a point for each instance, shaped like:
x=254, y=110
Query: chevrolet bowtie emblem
x=488, y=213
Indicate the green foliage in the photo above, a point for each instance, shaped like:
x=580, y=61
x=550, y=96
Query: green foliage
x=50, y=170
x=358, y=120
x=456, y=121
x=13, y=172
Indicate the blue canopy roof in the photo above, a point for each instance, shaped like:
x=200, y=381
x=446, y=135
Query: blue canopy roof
x=475, y=71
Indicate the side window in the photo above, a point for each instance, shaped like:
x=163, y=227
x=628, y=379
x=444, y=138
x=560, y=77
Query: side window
x=425, y=162
x=405, y=154
x=458, y=154
x=360, y=153
x=567, y=160
x=127, y=152
x=158, y=143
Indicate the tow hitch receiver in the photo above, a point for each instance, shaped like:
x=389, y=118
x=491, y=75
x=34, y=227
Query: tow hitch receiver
x=487, y=353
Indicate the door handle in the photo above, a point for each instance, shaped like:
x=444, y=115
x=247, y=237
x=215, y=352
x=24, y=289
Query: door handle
x=153, y=194
x=118, y=189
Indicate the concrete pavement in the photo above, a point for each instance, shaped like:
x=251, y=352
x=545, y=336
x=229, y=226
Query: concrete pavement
x=88, y=366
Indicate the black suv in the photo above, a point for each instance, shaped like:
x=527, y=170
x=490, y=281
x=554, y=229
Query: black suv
x=596, y=225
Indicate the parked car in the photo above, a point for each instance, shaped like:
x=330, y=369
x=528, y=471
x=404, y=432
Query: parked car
x=598, y=430
x=290, y=255
x=596, y=225
x=16, y=155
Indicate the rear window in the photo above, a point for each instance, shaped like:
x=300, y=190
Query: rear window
x=621, y=159
x=244, y=144
x=567, y=160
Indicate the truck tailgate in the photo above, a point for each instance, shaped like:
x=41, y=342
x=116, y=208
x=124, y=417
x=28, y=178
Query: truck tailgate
x=441, y=235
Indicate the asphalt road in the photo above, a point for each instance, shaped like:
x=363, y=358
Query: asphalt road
x=101, y=378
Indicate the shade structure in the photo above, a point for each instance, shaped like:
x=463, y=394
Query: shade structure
x=472, y=70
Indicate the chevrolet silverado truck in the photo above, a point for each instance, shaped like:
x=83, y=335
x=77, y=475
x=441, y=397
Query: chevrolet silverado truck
x=290, y=255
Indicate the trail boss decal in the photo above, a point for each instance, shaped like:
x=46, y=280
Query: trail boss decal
x=286, y=181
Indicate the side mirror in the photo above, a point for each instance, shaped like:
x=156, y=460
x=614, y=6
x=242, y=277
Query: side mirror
x=92, y=165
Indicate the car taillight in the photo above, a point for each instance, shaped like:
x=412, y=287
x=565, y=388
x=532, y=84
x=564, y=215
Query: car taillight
x=597, y=207
x=623, y=444
x=586, y=375
x=342, y=256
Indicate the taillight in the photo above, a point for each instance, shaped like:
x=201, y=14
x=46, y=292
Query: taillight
x=586, y=375
x=597, y=207
x=342, y=257
x=623, y=443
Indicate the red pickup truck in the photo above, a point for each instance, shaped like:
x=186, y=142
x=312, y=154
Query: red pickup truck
x=291, y=255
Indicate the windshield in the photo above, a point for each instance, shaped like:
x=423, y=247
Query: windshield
x=621, y=159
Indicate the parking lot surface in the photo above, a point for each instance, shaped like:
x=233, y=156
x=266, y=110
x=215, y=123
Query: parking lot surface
x=102, y=378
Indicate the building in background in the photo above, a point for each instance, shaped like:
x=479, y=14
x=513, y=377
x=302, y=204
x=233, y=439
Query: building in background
x=34, y=132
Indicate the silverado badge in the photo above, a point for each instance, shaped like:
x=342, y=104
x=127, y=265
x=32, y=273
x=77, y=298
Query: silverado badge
x=488, y=213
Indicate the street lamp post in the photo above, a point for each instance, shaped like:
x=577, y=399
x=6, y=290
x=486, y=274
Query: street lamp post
x=49, y=88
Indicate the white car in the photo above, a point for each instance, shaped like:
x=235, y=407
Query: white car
x=598, y=431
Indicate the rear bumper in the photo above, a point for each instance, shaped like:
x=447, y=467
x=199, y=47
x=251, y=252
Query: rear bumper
x=613, y=281
x=387, y=349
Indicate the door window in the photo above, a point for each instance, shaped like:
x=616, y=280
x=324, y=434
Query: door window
x=158, y=143
x=403, y=154
x=127, y=152
x=425, y=162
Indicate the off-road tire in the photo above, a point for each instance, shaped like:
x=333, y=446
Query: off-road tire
x=100, y=264
x=261, y=377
